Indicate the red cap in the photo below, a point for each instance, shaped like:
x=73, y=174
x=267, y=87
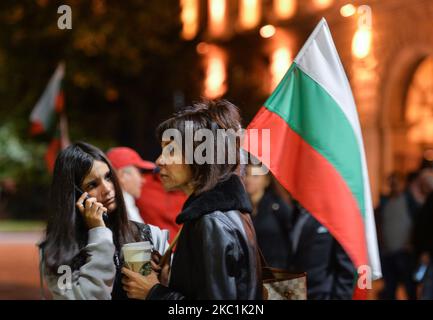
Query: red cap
x=122, y=157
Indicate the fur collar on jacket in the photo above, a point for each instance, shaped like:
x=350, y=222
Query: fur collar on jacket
x=225, y=196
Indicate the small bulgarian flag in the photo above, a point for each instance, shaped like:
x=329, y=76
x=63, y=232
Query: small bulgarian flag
x=46, y=115
x=43, y=116
x=316, y=148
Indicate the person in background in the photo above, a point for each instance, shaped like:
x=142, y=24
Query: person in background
x=330, y=272
x=129, y=168
x=423, y=237
x=395, y=186
x=396, y=227
x=271, y=217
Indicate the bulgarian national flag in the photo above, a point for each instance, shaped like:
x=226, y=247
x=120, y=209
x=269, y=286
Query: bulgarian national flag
x=316, y=148
x=47, y=113
x=43, y=116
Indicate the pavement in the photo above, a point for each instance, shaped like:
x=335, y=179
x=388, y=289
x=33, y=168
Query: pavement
x=19, y=266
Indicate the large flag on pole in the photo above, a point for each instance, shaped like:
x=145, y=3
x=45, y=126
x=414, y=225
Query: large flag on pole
x=316, y=147
x=48, y=114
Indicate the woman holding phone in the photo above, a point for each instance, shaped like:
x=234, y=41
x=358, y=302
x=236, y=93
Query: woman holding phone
x=81, y=251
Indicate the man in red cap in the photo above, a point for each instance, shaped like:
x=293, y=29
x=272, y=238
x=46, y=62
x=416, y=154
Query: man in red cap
x=143, y=188
x=129, y=165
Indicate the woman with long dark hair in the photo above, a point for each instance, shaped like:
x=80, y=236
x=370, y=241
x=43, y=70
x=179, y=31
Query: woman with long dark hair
x=216, y=254
x=81, y=251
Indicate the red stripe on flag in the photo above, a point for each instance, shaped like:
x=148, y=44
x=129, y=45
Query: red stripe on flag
x=36, y=128
x=314, y=182
x=360, y=294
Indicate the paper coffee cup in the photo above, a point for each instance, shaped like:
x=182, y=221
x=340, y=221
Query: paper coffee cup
x=137, y=256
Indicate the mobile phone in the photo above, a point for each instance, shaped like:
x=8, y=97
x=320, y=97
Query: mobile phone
x=79, y=192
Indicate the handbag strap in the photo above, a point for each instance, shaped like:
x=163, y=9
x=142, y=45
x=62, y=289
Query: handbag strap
x=262, y=258
x=169, y=250
x=269, y=273
x=266, y=270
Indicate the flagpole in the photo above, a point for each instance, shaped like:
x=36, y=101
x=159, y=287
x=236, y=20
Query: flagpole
x=63, y=120
x=64, y=132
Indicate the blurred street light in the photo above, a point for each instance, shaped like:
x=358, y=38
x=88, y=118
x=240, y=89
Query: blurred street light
x=249, y=13
x=189, y=18
x=285, y=9
x=215, y=72
x=348, y=10
x=217, y=17
x=362, y=39
x=267, y=31
x=322, y=4
x=280, y=63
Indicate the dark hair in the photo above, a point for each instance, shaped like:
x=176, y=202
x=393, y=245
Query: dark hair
x=412, y=176
x=66, y=232
x=212, y=115
x=426, y=163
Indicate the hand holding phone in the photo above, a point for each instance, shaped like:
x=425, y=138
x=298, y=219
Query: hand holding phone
x=81, y=206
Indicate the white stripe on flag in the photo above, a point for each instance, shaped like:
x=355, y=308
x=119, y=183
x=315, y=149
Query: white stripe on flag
x=319, y=59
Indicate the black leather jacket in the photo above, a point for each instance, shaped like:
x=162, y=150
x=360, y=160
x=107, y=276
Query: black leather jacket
x=330, y=272
x=216, y=255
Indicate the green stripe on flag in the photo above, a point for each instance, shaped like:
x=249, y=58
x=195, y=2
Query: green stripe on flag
x=312, y=113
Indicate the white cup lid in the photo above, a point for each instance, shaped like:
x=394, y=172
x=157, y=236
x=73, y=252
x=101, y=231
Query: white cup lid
x=144, y=245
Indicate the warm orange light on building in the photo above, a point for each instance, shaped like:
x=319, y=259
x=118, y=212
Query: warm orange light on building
x=249, y=13
x=189, y=18
x=361, y=43
x=422, y=132
x=322, y=4
x=280, y=50
x=280, y=62
x=217, y=17
x=419, y=105
x=348, y=10
x=362, y=39
x=267, y=31
x=285, y=9
x=215, y=72
x=428, y=154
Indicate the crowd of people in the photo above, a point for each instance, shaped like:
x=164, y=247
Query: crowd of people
x=404, y=222
x=221, y=218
